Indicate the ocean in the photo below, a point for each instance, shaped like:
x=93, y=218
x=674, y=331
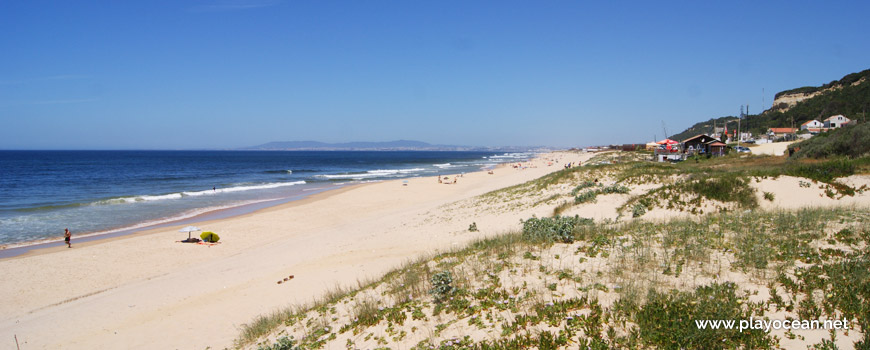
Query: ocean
x=101, y=192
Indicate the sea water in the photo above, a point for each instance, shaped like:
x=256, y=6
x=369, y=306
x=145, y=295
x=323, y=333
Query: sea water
x=99, y=192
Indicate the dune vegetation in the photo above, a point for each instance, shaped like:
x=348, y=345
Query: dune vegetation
x=631, y=282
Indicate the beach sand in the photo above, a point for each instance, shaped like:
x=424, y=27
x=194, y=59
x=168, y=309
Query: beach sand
x=771, y=149
x=146, y=291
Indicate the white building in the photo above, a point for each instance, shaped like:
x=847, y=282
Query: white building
x=814, y=124
x=836, y=121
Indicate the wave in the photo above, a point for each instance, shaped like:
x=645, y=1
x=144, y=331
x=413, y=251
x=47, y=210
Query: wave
x=372, y=173
x=290, y=171
x=161, y=197
x=243, y=188
x=512, y=156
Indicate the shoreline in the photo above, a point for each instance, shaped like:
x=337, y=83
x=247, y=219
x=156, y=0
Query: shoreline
x=87, y=239
x=199, y=214
x=116, y=291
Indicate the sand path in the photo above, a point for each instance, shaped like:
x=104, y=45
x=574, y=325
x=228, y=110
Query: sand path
x=149, y=292
x=771, y=149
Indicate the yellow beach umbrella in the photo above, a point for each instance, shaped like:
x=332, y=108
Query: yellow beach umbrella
x=209, y=236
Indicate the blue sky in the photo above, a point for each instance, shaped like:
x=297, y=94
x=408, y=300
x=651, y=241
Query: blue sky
x=234, y=73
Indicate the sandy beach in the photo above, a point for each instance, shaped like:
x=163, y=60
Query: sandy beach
x=148, y=291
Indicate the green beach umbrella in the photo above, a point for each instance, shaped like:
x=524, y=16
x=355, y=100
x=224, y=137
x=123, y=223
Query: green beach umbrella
x=209, y=236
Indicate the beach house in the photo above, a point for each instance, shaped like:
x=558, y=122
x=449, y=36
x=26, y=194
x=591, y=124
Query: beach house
x=703, y=144
x=812, y=124
x=775, y=133
x=836, y=121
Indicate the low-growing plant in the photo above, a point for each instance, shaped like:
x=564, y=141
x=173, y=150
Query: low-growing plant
x=581, y=186
x=585, y=197
x=442, y=286
x=555, y=229
x=638, y=210
x=282, y=343
x=669, y=320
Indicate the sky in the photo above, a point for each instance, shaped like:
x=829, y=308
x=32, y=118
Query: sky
x=222, y=74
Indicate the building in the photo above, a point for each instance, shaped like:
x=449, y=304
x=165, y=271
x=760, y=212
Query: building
x=780, y=132
x=836, y=121
x=812, y=124
x=702, y=144
x=717, y=148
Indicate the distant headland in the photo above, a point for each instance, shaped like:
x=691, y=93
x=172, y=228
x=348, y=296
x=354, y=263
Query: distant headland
x=398, y=145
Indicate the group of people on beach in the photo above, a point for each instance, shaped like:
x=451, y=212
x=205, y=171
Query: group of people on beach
x=447, y=179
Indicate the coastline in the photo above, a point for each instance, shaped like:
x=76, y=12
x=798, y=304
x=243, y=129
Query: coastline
x=43, y=247
x=117, y=290
x=138, y=191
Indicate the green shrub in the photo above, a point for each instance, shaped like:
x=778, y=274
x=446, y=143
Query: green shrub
x=638, y=210
x=441, y=285
x=472, y=227
x=848, y=141
x=584, y=197
x=555, y=229
x=824, y=172
x=724, y=188
x=582, y=186
x=769, y=196
x=590, y=195
x=615, y=188
x=668, y=320
x=282, y=343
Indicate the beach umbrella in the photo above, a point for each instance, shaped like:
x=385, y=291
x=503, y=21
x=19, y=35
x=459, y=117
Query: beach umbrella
x=189, y=229
x=209, y=236
x=667, y=142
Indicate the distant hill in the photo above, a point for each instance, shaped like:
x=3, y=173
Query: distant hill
x=849, y=96
x=399, y=145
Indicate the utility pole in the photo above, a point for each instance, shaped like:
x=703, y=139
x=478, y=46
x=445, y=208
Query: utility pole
x=738, y=126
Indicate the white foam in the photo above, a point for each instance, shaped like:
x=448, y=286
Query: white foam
x=179, y=195
x=347, y=176
x=512, y=155
x=371, y=173
x=244, y=188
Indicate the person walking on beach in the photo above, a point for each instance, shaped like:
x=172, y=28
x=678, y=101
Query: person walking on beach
x=66, y=237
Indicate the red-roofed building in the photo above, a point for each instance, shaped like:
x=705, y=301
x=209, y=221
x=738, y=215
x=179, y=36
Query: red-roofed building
x=780, y=132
